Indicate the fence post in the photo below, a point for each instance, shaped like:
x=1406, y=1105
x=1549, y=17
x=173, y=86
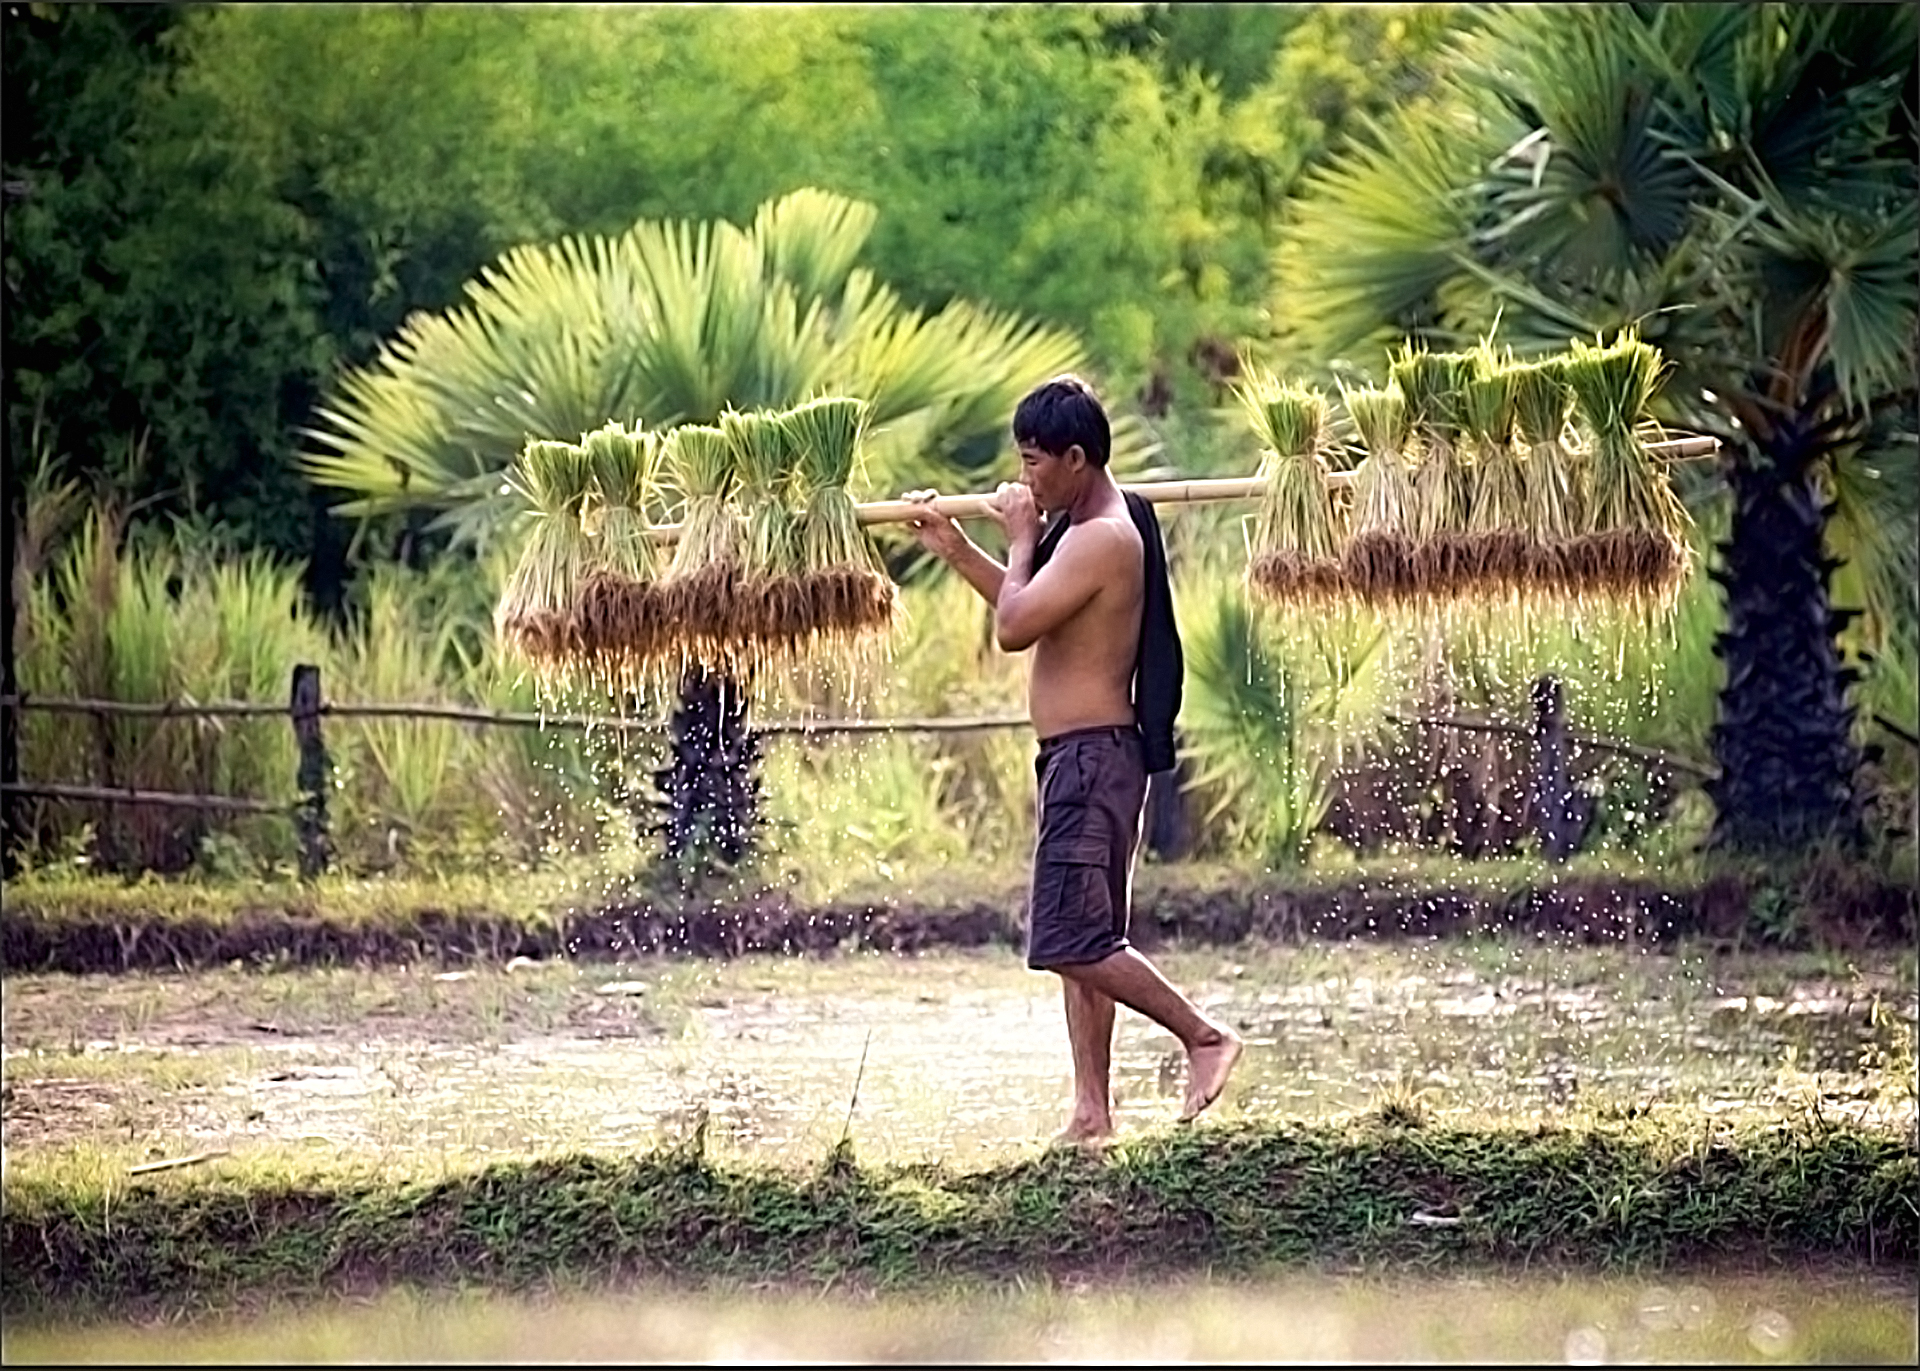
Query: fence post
x=1552, y=808
x=313, y=776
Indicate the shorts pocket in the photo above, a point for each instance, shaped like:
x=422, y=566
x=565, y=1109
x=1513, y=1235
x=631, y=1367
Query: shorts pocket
x=1071, y=919
x=1065, y=877
x=1068, y=782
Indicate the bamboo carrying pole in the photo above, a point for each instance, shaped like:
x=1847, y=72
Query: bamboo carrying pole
x=1212, y=490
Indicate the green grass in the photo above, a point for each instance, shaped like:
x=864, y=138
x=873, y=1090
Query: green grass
x=353, y=900
x=535, y=894
x=75, y=921
x=1605, y=1193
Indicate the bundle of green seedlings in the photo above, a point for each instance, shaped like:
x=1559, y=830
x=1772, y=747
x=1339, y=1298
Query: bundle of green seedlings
x=1498, y=545
x=1295, y=555
x=1631, y=543
x=851, y=599
x=1379, y=556
x=1434, y=384
x=534, y=615
x=620, y=626
x=769, y=613
x=698, y=592
x=1543, y=410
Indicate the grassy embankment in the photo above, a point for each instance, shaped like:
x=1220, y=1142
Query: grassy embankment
x=1384, y=1188
x=102, y=924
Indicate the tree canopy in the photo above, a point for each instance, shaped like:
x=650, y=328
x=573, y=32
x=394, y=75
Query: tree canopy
x=195, y=256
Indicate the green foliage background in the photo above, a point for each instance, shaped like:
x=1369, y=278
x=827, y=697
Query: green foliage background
x=213, y=210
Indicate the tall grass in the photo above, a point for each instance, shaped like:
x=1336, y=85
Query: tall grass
x=403, y=781
x=144, y=621
x=855, y=809
x=852, y=812
x=152, y=618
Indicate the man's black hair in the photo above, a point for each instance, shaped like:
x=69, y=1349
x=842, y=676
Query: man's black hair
x=1059, y=413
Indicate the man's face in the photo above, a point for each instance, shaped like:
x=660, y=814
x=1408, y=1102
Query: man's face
x=1052, y=478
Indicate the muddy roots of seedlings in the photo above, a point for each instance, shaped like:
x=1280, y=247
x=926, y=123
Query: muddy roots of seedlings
x=1288, y=577
x=724, y=617
x=1382, y=568
x=792, y=620
x=543, y=637
x=620, y=630
x=1630, y=565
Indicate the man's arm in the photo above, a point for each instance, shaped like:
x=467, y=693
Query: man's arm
x=1030, y=605
x=946, y=540
x=977, y=569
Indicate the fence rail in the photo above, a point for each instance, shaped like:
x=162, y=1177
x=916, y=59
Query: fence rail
x=241, y=709
x=170, y=799
x=1653, y=756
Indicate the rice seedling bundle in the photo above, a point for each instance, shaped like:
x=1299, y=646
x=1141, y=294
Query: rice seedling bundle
x=620, y=622
x=770, y=610
x=1543, y=409
x=1433, y=383
x=698, y=592
x=1497, y=547
x=851, y=595
x=533, y=616
x=1378, y=557
x=1632, y=541
x=1295, y=557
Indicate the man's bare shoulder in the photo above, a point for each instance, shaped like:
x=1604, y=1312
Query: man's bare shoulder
x=1105, y=537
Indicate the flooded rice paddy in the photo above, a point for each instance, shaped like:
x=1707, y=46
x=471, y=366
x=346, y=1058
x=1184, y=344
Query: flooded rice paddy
x=958, y=1057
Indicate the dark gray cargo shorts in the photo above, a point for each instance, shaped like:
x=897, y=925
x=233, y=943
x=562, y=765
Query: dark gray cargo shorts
x=1093, y=788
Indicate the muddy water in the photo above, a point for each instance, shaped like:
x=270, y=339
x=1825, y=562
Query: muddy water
x=952, y=1056
x=1825, y=1315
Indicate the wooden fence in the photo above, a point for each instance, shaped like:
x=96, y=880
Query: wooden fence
x=306, y=708
x=1554, y=743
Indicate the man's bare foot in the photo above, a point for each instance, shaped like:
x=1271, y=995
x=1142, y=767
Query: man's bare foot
x=1088, y=1134
x=1207, y=1071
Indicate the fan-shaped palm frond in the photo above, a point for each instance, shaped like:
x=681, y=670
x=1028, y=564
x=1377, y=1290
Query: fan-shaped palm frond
x=1271, y=716
x=672, y=322
x=1587, y=184
x=813, y=238
x=1374, y=236
x=1795, y=92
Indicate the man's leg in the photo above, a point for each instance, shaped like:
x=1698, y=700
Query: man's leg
x=1212, y=1047
x=1090, y=1035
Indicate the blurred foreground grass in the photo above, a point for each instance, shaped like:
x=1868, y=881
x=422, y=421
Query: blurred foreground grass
x=1827, y=1313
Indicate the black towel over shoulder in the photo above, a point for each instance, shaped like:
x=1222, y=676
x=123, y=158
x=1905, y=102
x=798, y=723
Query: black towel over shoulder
x=1158, y=664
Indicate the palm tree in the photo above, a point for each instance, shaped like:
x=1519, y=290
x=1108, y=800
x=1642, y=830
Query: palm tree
x=1740, y=182
x=674, y=322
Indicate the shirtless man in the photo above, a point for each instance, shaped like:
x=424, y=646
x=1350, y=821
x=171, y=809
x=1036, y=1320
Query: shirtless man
x=1081, y=615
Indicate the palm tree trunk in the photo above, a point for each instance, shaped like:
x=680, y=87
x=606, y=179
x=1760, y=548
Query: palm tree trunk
x=1784, y=737
x=710, y=788
x=12, y=810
